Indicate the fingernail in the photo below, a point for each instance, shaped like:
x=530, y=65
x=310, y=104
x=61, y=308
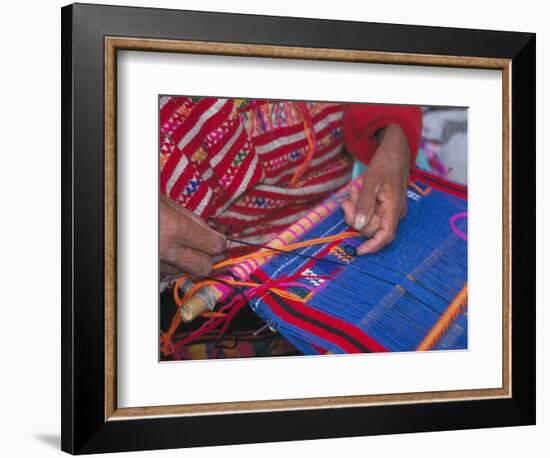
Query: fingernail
x=361, y=252
x=359, y=222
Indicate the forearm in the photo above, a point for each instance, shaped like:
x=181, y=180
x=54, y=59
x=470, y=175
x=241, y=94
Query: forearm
x=393, y=141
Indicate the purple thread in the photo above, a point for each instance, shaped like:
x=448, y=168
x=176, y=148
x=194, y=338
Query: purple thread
x=300, y=224
x=251, y=266
x=309, y=220
x=326, y=207
x=239, y=272
x=293, y=233
x=455, y=229
x=317, y=213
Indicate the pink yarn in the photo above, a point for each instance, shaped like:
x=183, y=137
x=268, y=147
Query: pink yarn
x=455, y=229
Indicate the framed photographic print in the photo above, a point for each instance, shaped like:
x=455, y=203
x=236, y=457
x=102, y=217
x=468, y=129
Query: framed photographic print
x=282, y=228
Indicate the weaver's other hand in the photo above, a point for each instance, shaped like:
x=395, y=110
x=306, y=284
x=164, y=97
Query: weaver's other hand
x=187, y=244
x=376, y=208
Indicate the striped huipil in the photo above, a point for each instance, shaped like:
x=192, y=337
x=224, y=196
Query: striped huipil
x=252, y=167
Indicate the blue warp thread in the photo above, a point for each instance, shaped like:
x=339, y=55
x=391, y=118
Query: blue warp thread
x=395, y=296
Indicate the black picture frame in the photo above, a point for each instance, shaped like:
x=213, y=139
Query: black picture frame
x=84, y=426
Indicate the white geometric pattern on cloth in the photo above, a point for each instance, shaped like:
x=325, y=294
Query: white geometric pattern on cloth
x=187, y=138
x=221, y=154
x=333, y=184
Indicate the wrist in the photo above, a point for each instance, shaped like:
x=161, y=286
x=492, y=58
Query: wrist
x=393, y=147
x=392, y=136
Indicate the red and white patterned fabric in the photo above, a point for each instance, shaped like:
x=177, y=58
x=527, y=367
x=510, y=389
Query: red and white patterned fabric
x=250, y=168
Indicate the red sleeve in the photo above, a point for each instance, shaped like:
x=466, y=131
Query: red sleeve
x=361, y=121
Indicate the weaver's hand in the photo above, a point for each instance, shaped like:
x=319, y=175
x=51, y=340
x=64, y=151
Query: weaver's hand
x=375, y=208
x=187, y=244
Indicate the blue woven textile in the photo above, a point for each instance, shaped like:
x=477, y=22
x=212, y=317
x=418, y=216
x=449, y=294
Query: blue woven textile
x=394, y=297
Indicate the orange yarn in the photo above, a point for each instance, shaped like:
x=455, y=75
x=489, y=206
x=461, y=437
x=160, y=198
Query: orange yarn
x=310, y=135
x=293, y=246
x=423, y=192
x=166, y=337
x=213, y=315
x=455, y=307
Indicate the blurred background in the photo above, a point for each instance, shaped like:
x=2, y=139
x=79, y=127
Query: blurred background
x=444, y=147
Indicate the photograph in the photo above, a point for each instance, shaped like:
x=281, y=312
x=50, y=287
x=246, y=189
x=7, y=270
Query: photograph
x=274, y=229
x=290, y=228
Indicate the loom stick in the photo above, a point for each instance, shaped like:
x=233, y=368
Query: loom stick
x=206, y=298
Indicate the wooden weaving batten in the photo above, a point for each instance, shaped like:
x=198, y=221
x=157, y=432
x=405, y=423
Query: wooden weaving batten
x=199, y=303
